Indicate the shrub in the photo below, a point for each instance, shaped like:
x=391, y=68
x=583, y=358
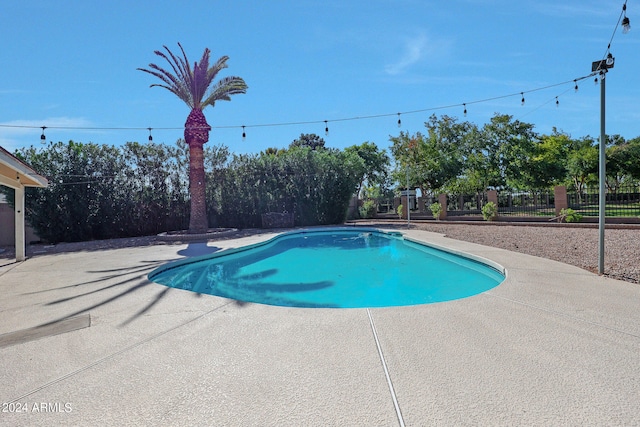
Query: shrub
x=315, y=185
x=570, y=215
x=368, y=209
x=489, y=211
x=400, y=210
x=436, y=210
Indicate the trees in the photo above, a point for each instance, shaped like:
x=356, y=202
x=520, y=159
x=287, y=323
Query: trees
x=82, y=201
x=310, y=140
x=375, y=164
x=632, y=162
x=510, y=145
x=623, y=161
x=314, y=185
x=548, y=164
x=101, y=192
x=459, y=157
x=436, y=159
x=582, y=163
x=193, y=86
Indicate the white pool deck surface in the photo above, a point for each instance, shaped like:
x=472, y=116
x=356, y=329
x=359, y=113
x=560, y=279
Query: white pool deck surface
x=552, y=345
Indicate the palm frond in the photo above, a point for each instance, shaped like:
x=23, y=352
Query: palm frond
x=220, y=64
x=224, y=88
x=177, y=85
x=191, y=85
x=200, y=83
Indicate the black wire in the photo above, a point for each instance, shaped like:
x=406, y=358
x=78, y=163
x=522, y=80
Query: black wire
x=374, y=116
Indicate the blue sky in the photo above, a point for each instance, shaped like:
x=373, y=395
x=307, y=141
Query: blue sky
x=73, y=64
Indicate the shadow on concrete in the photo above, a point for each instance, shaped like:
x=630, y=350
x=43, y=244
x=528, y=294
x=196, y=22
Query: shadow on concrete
x=128, y=280
x=198, y=249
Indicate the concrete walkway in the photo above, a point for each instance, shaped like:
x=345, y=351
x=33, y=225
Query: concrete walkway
x=552, y=345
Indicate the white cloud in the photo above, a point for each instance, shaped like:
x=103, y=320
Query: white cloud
x=416, y=49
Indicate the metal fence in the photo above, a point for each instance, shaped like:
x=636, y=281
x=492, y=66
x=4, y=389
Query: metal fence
x=466, y=204
x=624, y=202
x=537, y=203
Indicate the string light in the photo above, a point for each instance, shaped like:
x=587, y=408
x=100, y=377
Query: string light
x=626, y=26
x=244, y=134
x=623, y=19
x=557, y=102
x=464, y=105
x=326, y=128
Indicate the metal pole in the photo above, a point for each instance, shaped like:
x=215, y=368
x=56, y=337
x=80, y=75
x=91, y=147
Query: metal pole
x=407, y=207
x=602, y=175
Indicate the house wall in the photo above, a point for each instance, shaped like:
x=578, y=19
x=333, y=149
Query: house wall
x=8, y=227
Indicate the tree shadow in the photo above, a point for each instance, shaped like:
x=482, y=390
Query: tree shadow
x=198, y=249
x=228, y=280
x=130, y=279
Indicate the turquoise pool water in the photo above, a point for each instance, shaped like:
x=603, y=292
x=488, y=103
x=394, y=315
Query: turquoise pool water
x=344, y=268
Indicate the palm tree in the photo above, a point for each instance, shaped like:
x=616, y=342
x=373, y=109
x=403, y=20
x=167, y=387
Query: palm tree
x=192, y=85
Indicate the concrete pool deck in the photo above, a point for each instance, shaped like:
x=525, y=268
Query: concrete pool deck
x=552, y=345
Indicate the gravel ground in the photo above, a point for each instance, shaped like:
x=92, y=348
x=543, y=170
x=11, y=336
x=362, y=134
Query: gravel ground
x=571, y=245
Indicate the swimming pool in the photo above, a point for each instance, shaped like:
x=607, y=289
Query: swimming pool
x=341, y=268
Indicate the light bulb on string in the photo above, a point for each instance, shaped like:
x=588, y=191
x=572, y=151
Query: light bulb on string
x=626, y=25
x=399, y=121
x=576, y=86
x=595, y=81
x=557, y=102
x=522, y=100
x=244, y=134
x=326, y=128
x=610, y=60
x=150, y=137
x=465, y=109
x=43, y=138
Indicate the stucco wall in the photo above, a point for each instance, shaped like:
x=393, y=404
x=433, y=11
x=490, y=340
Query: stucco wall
x=8, y=227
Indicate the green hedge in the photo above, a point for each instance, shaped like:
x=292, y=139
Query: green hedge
x=100, y=191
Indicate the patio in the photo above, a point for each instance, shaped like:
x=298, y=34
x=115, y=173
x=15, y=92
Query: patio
x=552, y=345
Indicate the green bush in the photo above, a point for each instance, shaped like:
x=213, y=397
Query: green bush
x=570, y=215
x=489, y=211
x=103, y=192
x=368, y=209
x=315, y=185
x=436, y=210
x=400, y=211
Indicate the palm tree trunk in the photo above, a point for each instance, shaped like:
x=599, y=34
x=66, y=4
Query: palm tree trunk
x=197, y=189
x=196, y=134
